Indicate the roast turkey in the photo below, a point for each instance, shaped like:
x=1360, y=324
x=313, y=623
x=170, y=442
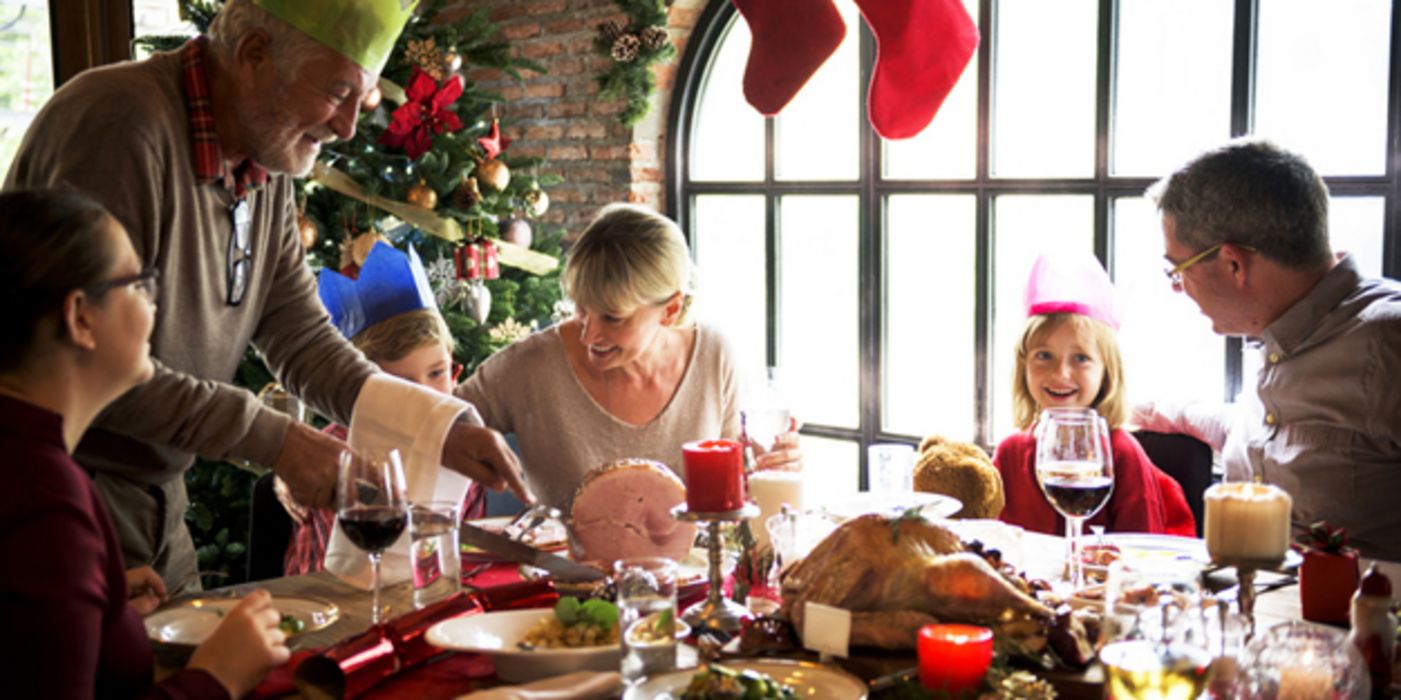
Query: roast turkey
x=896, y=574
x=623, y=509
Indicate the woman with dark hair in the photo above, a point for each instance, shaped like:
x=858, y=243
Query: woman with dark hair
x=77, y=309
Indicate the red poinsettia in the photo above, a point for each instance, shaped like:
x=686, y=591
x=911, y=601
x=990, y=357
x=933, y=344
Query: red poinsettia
x=424, y=114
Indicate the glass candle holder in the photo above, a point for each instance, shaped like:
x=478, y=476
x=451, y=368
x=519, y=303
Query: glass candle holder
x=1297, y=660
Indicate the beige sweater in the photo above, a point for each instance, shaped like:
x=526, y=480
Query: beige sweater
x=529, y=389
x=121, y=134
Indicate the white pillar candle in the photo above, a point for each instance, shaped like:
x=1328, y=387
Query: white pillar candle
x=770, y=490
x=1247, y=522
x=1307, y=683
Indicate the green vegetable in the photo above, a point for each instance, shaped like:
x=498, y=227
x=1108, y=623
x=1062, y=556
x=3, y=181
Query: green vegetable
x=665, y=626
x=595, y=612
x=291, y=625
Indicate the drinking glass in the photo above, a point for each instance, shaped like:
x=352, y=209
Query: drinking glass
x=371, y=507
x=646, y=615
x=1075, y=470
x=892, y=468
x=764, y=415
x=436, y=560
x=1155, y=631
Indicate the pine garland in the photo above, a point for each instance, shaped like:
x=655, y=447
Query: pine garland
x=633, y=50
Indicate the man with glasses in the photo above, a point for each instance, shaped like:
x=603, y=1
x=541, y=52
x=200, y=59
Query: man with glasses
x=194, y=152
x=1245, y=233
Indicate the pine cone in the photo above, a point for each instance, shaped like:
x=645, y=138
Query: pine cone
x=610, y=30
x=625, y=48
x=653, y=38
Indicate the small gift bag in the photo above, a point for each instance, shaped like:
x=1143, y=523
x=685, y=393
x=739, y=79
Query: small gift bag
x=1328, y=576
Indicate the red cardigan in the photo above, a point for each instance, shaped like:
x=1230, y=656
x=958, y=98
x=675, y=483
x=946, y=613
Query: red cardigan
x=63, y=599
x=1145, y=499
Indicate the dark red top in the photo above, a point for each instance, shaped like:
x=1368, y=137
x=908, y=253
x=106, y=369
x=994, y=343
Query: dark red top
x=68, y=630
x=1145, y=498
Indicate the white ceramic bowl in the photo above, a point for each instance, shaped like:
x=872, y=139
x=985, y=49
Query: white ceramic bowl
x=497, y=634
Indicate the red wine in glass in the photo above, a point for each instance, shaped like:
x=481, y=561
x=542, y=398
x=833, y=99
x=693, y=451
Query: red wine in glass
x=373, y=528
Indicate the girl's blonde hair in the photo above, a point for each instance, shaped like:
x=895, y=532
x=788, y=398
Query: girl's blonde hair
x=627, y=257
x=1110, y=401
x=395, y=337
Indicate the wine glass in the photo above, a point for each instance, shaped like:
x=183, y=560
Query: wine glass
x=1075, y=470
x=371, y=506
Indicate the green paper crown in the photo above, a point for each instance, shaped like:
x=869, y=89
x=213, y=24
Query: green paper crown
x=364, y=31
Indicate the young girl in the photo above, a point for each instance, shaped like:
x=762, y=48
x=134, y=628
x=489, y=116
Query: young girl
x=398, y=327
x=1068, y=356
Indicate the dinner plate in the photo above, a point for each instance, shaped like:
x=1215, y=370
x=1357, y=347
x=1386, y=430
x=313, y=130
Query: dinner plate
x=1142, y=546
x=810, y=681
x=190, y=623
x=931, y=505
x=692, y=574
x=498, y=634
x=551, y=536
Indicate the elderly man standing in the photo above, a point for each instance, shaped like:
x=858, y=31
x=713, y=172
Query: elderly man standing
x=194, y=152
x=1245, y=231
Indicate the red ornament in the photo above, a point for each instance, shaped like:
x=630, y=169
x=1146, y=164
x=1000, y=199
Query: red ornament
x=1327, y=581
x=477, y=261
x=424, y=114
x=496, y=143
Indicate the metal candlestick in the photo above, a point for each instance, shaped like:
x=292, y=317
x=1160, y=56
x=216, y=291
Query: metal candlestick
x=715, y=613
x=1245, y=579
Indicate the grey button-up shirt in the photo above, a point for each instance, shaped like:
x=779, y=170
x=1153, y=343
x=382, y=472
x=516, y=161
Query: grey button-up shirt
x=1325, y=424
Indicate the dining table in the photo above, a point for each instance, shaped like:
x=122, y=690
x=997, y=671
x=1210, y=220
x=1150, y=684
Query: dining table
x=455, y=674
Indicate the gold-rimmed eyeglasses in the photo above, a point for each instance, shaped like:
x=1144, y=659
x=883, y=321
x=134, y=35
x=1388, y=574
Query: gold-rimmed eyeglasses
x=1174, y=273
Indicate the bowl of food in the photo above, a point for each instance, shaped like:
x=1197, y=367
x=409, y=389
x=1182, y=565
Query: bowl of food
x=526, y=645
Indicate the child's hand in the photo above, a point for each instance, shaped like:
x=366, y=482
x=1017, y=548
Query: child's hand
x=246, y=645
x=144, y=589
x=783, y=455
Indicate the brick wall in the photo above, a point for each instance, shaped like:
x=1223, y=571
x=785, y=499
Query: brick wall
x=559, y=115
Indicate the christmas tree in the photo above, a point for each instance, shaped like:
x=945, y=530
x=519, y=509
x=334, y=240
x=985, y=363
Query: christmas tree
x=428, y=167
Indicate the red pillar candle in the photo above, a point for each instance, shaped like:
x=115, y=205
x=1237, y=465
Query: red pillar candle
x=954, y=658
x=714, y=475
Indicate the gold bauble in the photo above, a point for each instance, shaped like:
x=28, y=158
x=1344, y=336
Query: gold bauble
x=493, y=174
x=308, y=231
x=371, y=100
x=536, y=202
x=422, y=195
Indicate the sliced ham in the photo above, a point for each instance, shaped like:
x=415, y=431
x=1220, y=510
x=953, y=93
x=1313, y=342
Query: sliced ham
x=623, y=509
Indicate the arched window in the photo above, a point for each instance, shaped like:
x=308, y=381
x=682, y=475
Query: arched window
x=884, y=279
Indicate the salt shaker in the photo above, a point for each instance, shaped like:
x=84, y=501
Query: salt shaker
x=1374, y=627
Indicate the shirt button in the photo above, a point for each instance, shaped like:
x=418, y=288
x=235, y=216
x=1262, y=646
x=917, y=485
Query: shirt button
x=1274, y=358
x=1270, y=419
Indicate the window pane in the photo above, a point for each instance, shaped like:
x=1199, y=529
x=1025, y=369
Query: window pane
x=1170, y=352
x=1044, y=88
x=730, y=253
x=1321, y=84
x=1355, y=226
x=947, y=148
x=929, y=325
x=830, y=469
x=819, y=348
x=1025, y=226
x=817, y=133
x=1170, y=102
x=727, y=141
x=26, y=71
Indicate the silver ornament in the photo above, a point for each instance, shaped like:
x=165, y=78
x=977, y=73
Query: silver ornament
x=476, y=301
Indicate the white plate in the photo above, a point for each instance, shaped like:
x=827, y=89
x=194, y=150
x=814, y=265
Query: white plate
x=1141, y=546
x=810, y=681
x=931, y=505
x=692, y=573
x=191, y=622
x=551, y=536
x=498, y=633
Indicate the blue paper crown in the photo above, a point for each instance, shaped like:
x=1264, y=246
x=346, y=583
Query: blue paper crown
x=390, y=283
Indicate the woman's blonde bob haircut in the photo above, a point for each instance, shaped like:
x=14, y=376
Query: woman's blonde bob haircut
x=629, y=256
x=1109, y=403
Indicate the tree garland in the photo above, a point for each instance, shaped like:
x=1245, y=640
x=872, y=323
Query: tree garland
x=633, y=49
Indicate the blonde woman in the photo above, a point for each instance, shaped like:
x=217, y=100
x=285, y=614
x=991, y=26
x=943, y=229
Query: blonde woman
x=628, y=376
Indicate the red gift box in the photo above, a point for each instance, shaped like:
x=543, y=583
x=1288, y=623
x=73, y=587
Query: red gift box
x=1327, y=581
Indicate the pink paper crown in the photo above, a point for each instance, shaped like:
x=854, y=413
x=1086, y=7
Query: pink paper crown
x=1073, y=284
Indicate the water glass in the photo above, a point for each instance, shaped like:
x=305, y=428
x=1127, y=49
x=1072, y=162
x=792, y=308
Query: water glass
x=1157, y=644
x=892, y=468
x=646, y=615
x=434, y=554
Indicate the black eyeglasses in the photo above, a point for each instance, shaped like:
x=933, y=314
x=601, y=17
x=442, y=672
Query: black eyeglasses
x=146, y=281
x=240, y=253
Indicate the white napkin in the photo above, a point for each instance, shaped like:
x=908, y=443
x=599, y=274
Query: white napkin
x=580, y=685
x=393, y=413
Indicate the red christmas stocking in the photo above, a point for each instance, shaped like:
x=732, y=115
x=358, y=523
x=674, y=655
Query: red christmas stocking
x=922, y=46
x=792, y=38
